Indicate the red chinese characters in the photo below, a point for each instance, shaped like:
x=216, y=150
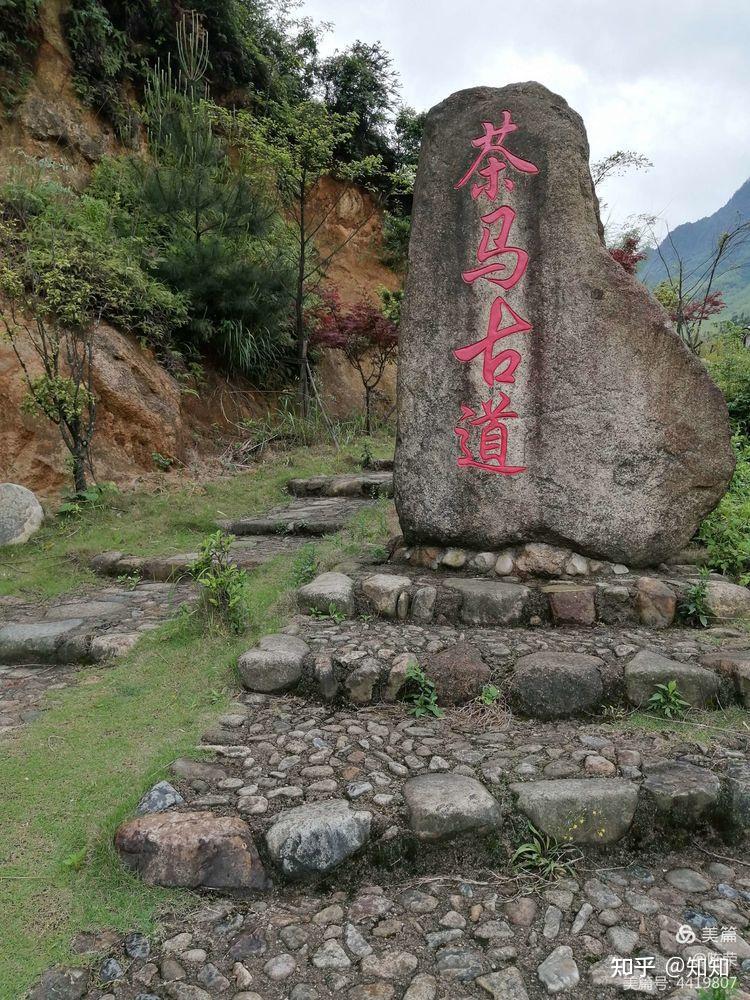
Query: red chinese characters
x=503, y=265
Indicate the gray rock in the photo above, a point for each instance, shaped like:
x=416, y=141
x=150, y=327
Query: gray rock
x=458, y=672
x=279, y=968
x=727, y=601
x=459, y=964
x=360, y=683
x=422, y=987
x=688, y=880
x=382, y=592
x=21, y=514
x=440, y=806
x=329, y=591
x=552, y=685
x=629, y=481
x=622, y=939
x=507, y=984
x=317, y=837
x=559, y=971
x=490, y=602
x=423, y=604
x=42, y=642
x=736, y=801
x=274, y=665
x=682, y=791
x=656, y=602
x=397, y=675
x=161, y=796
x=331, y=955
x=609, y=973
x=648, y=668
x=61, y=984
x=581, y=810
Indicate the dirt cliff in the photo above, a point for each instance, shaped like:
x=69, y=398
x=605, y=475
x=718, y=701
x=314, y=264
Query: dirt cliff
x=143, y=411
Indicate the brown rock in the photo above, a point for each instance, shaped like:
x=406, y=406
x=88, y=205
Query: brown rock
x=572, y=605
x=622, y=442
x=655, y=601
x=191, y=850
x=459, y=673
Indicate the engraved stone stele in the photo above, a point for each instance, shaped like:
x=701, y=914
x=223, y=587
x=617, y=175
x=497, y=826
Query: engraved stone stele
x=613, y=441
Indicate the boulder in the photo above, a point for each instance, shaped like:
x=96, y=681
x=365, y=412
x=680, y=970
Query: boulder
x=727, y=601
x=361, y=682
x=648, y=668
x=162, y=796
x=682, y=792
x=441, y=806
x=21, y=514
x=543, y=395
x=191, y=850
x=655, y=601
x=539, y=559
x=274, y=665
x=459, y=673
x=326, y=592
x=735, y=805
x=552, y=685
x=43, y=642
x=315, y=838
x=62, y=984
x=490, y=602
x=382, y=592
x=580, y=810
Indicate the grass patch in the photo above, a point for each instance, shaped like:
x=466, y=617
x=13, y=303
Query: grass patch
x=701, y=725
x=77, y=771
x=170, y=520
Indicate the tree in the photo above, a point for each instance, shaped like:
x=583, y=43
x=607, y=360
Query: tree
x=214, y=216
x=618, y=163
x=63, y=393
x=367, y=339
x=628, y=255
x=361, y=80
x=689, y=293
x=299, y=143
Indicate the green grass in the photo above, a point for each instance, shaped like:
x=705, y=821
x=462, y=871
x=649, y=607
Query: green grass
x=702, y=725
x=73, y=774
x=56, y=560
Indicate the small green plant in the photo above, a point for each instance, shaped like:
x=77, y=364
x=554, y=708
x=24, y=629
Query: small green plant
x=489, y=695
x=367, y=457
x=305, y=565
x=422, y=699
x=94, y=497
x=333, y=614
x=162, y=461
x=129, y=580
x=667, y=701
x=223, y=585
x=719, y=992
x=693, y=609
x=543, y=855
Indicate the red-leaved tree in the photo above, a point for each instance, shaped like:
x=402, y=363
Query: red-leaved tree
x=628, y=256
x=366, y=338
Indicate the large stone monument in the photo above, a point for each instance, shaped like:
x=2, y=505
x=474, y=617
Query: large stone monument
x=543, y=394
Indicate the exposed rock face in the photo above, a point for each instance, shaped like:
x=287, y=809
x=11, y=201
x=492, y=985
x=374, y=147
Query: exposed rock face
x=191, y=850
x=21, y=514
x=617, y=442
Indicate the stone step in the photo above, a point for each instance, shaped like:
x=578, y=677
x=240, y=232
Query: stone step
x=440, y=596
x=361, y=484
x=542, y=673
x=249, y=553
x=309, y=517
x=62, y=642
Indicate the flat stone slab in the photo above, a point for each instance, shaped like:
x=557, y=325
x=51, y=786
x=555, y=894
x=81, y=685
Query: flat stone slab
x=300, y=517
x=361, y=484
x=487, y=602
x=441, y=806
x=698, y=686
x=579, y=810
x=682, y=791
x=42, y=642
x=329, y=591
x=274, y=665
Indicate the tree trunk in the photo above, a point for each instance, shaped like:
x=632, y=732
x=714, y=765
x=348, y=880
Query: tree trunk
x=303, y=388
x=368, y=422
x=79, y=471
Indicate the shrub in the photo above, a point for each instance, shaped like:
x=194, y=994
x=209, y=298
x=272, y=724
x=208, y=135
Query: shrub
x=729, y=364
x=726, y=530
x=18, y=41
x=667, y=701
x=223, y=585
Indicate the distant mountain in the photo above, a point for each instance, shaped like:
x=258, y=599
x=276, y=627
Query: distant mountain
x=695, y=242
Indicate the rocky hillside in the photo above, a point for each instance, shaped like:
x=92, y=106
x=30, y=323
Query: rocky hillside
x=143, y=410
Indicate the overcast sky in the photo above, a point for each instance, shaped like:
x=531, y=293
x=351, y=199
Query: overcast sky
x=668, y=78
